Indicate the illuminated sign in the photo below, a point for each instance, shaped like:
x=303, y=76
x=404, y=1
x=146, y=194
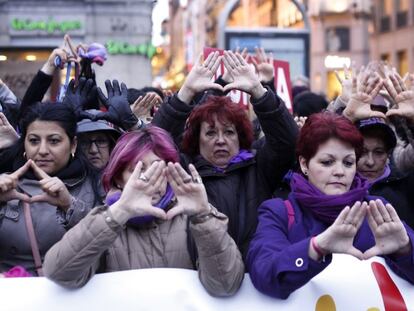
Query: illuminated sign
x=334, y=61
x=124, y=48
x=50, y=25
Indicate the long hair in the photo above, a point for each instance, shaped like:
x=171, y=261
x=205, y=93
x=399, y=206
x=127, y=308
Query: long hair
x=133, y=146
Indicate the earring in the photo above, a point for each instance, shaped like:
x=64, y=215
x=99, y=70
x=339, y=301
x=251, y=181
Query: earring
x=24, y=154
x=305, y=173
x=73, y=155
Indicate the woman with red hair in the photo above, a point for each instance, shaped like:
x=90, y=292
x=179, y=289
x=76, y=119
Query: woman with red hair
x=328, y=211
x=218, y=138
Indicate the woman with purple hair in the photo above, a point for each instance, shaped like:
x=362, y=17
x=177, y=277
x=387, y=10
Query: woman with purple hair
x=151, y=210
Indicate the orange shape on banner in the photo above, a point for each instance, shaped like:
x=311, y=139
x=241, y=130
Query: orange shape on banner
x=325, y=303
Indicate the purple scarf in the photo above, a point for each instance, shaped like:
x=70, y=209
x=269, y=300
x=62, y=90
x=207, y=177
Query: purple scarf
x=242, y=156
x=326, y=207
x=141, y=220
x=387, y=172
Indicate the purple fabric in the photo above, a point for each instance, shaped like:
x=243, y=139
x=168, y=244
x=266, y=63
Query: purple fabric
x=96, y=53
x=242, y=156
x=326, y=207
x=141, y=220
x=387, y=172
x=17, y=272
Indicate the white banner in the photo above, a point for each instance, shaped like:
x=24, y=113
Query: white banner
x=347, y=284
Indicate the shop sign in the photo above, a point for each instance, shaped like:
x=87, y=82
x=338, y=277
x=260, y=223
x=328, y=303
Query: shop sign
x=337, y=62
x=47, y=26
x=125, y=48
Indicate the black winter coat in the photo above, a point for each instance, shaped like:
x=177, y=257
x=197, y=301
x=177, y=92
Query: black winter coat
x=239, y=189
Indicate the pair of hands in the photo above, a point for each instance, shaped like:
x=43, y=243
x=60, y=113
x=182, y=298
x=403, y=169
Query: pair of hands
x=143, y=105
x=360, y=88
x=387, y=229
x=200, y=77
x=54, y=190
x=137, y=194
x=118, y=109
x=262, y=63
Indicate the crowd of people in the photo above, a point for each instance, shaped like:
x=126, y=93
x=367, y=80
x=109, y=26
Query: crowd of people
x=141, y=178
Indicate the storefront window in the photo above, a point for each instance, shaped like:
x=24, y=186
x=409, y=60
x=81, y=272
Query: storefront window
x=402, y=61
x=334, y=88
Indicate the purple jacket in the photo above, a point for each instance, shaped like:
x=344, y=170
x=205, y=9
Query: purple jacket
x=278, y=260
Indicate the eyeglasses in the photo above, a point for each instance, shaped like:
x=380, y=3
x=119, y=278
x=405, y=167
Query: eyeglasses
x=100, y=143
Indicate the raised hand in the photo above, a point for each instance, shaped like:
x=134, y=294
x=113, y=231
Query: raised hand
x=118, y=110
x=339, y=237
x=64, y=57
x=189, y=191
x=78, y=96
x=402, y=93
x=226, y=75
x=264, y=65
x=388, y=230
x=346, y=82
x=137, y=194
x=55, y=191
x=245, y=79
x=300, y=121
x=364, y=91
x=143, y=105
x=8, y=135
x=8, y=184
x=200, y=77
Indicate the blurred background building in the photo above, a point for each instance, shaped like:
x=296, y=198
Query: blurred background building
x=30, y=30
x=329, y=35
x=317, y=37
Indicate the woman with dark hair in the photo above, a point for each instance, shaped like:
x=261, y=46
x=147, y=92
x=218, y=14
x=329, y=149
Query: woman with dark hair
x=97, y=139
x=218, y=139
x=49, y=190
x=328, y=211
x=151, y=210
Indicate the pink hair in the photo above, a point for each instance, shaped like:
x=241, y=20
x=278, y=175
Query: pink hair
x=132, y=147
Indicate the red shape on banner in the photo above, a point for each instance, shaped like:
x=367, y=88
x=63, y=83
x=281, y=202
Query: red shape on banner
x=391, y=295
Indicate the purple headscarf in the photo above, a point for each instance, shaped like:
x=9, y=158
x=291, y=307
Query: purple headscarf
x=325, y=207
x=96, y=53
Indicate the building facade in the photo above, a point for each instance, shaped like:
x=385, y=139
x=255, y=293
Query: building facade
x=30, y=30
x=392, y=39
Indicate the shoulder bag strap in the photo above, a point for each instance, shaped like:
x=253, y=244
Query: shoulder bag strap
x=32, y=238
x=290, y=213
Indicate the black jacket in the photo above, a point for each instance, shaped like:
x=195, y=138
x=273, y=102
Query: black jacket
x=398, y=190
x=238, y=191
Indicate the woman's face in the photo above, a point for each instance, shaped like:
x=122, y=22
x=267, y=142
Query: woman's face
x=48, y=145
x=218, y=142
x=146, y=160
x=332, y=168
x=95, y=146
x=374, y=157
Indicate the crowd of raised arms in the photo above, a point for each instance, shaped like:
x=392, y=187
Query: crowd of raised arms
x=117, y=179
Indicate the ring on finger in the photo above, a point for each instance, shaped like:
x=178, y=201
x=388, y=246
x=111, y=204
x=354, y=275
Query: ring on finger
x=187, y=180
x=143, y=177
x=198, y=180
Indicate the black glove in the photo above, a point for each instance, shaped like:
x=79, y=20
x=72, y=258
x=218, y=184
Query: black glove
x=78, y=97
x=119, y=112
